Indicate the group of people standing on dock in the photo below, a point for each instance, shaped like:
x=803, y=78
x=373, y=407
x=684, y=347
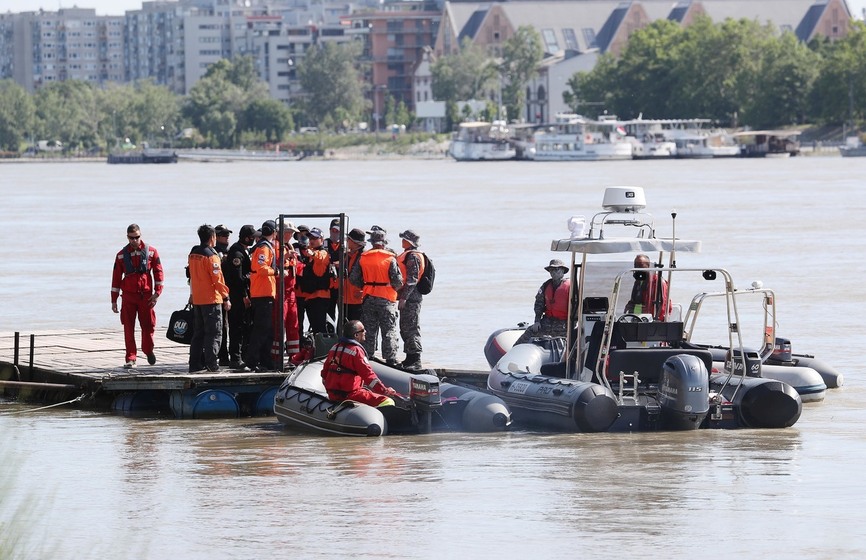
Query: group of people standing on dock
x=234, y=293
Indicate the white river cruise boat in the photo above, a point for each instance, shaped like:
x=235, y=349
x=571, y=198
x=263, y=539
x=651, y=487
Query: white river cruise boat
x=572, y=137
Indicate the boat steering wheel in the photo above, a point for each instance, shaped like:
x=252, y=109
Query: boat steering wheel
x=629, y=318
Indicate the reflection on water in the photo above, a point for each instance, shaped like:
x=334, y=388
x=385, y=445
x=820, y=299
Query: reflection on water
x=133, y=488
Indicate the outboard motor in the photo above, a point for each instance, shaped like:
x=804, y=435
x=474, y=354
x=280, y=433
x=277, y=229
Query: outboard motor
x=684, y=392
x=733, y=362
x=424, y=394
x=782, y=354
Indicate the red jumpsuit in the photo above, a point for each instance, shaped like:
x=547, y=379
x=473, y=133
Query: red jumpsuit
x=290, y=310
x=135, y=282
x=346, y=372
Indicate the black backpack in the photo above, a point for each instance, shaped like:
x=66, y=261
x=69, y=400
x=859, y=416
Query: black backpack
x=425, y=283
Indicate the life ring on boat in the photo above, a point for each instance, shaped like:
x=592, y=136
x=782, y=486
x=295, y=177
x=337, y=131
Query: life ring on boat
x=587, y=138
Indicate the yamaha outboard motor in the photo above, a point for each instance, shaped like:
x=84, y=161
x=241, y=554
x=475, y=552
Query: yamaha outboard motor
x=684, y=392
x=752, y=362
x=424, y=394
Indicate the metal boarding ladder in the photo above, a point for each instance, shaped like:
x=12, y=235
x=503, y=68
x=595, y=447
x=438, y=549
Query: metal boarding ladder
x=635, y=379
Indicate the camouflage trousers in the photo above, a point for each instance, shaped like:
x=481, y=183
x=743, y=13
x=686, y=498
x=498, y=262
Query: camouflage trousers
x=548, y=326
x=410, y=327
x=380, y=314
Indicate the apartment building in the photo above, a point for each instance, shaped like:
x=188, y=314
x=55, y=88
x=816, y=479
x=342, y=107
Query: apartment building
x=70, y=44
x=394, y=45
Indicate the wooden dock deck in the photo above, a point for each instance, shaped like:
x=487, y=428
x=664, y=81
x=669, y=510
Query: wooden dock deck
x=54, y=364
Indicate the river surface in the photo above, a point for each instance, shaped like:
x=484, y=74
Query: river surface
x=79, y=484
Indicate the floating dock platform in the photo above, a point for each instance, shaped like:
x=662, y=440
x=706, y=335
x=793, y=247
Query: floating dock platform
x=85, y=368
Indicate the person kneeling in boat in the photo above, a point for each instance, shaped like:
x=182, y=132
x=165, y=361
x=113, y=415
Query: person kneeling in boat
x=347, y=374
x=551, y=304
x=644, y=293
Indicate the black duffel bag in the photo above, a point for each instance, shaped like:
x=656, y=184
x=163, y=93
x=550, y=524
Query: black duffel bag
x=180, y=326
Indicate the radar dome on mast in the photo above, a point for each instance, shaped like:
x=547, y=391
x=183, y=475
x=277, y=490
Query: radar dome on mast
x=624, y=199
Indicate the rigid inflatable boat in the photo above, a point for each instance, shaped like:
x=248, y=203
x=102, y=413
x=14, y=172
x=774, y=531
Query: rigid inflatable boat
x=773, y=359
x=302, y=403
x=632, y=372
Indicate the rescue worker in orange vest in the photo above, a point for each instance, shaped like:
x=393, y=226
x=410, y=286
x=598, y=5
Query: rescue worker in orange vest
x=379, y=278
x=209, y=296
x=551, y=304
x=411, y=263
x=347, y=374
x=315, y=282
x=263, y=292
x=644, y=295
x=353, y=296
x=137, y=278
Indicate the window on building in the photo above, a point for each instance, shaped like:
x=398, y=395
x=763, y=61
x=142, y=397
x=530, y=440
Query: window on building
x=589, y=37
x=550, y=43
x=570, y=39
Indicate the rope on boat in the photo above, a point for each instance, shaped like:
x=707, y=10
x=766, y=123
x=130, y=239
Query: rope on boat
x=75, y=400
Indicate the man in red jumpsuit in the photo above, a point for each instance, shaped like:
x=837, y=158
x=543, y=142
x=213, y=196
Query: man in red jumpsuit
x=137, y=279
x=347, y=374
x=290, y=304
x=644, y=294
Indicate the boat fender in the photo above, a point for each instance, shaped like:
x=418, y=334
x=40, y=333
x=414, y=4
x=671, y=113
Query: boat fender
x=485, y=413
x=595, y=409
x=771, y=405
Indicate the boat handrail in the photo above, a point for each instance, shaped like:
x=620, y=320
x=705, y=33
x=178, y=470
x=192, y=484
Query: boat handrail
x=600, y=369
x=768, y=304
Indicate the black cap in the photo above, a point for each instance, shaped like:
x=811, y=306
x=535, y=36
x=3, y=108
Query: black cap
x=222, y=230
x=357, y=235
x=269, y=227
x=247, y=231
x=335, y=223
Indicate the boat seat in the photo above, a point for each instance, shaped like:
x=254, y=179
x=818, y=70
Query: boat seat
x=553, y=369
x=648, y=362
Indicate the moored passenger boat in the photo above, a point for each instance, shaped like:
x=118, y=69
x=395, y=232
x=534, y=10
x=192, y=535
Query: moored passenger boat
x=572, y=137
x=482, y=141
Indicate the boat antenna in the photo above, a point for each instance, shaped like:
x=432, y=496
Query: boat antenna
x=672, y=263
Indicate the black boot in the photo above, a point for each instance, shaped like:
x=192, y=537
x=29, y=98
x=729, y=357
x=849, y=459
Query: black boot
x=412, y=361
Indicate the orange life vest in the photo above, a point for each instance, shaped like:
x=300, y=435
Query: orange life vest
x=352, y=294
x=401, y=262
x=556, y=300
x=375, y=265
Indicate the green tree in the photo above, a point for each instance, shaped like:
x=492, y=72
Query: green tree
x=216, y=104
x=469, y=74
x=269, y=117
x=17, y=115
x=788, y=73
x=643, y=75
x=156, y=111
x=118, y=117
x=332, y=84
x=839, y=93
x=67, y=111
x=521, y=55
